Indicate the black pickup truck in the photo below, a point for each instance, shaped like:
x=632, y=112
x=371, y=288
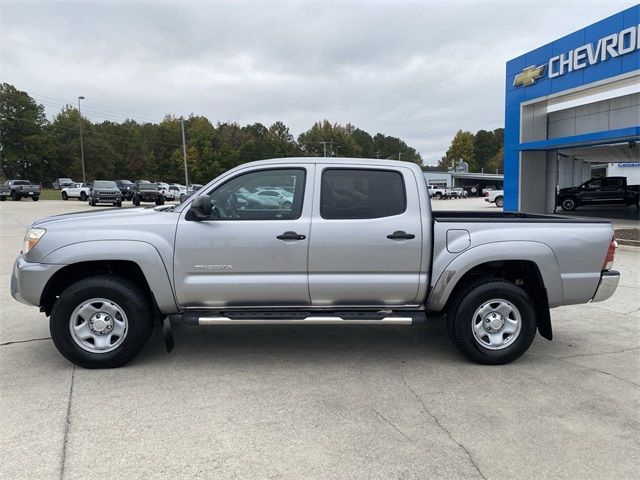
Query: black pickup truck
x=599, y=191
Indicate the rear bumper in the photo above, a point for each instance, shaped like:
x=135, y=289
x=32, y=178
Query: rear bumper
x=607, y=285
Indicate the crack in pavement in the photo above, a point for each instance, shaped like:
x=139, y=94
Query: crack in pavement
x=24, y=341
x=437, y=421
x=599, y=353
x=391, y=424
x=67, y=424
x=588, y=368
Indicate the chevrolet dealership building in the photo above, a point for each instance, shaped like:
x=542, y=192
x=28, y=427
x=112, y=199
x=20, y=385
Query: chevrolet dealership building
x=572, y=105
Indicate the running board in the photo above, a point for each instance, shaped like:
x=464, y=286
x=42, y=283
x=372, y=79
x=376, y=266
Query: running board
x=303, y=321
x=380, y=317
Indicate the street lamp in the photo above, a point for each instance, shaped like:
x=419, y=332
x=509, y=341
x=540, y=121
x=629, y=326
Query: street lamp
x=84, y=179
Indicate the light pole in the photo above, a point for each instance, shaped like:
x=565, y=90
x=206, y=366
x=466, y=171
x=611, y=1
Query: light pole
x=84, y=179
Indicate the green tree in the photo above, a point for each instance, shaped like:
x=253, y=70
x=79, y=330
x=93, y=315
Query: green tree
x=462, y=148
x=24, y=146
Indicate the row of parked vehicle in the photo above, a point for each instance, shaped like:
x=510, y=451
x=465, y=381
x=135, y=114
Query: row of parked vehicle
x=117, y=191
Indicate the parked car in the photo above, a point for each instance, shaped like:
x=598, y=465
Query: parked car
x=458, y=192
x=147, y=192
x=438, y=192
x=495, y=196
x=105, y=191
x=380, y=257
x=126, y=188
x=78, y=190
x=165, y=191
x=60, y=183
x=177, y=190
x=599, y=191
x=19, y=189
x=283, y=198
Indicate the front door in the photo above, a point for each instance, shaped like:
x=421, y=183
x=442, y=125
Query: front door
x=366, y=238
x=252, y=251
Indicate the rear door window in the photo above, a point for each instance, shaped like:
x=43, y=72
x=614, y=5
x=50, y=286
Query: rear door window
x=361, y=193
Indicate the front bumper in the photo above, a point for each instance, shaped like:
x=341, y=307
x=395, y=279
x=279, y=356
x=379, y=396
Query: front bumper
x=107, y=198
x=29, y=279
x=607, y=286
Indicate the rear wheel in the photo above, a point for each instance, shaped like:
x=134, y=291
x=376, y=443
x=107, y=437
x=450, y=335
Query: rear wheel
x=101, y=322
x=15, y=197
x=65, y=196
x=136, y=200
x=438, y=196
x=35, y=198
x=499, y=202
x=160, y=200
x=568, y=204
x=492, y=322
x=83, y=197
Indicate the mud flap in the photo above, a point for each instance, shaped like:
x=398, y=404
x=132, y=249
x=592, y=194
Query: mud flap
x=167, y=334
x=543, y=315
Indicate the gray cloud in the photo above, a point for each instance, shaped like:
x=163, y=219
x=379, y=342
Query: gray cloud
x=418, y=70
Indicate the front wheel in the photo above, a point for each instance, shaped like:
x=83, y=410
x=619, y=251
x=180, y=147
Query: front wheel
x=101, y=322
x=136, y=201
x=15, y=197
x=160, y=200
x=35, y=198
x=492, y=322
x=568, y=204
x=83, y=197
x=65, y=196
x=438, y=196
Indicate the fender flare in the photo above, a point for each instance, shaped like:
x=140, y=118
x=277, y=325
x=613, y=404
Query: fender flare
x=143, y=254
x=539, y=253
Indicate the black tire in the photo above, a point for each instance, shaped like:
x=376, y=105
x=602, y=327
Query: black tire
x=286, y=205
x=119, y=204
x=65, y=196
x=160, y=200
x=15, y=197
x=131, y=299
x=460, y=320
x=499, y=202
x=136, y=201
x=93, y=203
x=35, y=198
x=438, y=196
x=568, y=204
x=2, y=198
x=83, y=197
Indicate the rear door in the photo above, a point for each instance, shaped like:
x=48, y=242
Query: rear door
x=366, y=237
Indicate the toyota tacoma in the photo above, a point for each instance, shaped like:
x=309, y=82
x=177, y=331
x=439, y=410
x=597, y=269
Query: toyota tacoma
x=359, y=245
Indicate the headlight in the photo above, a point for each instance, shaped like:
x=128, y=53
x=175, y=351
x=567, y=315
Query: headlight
x=31, y=238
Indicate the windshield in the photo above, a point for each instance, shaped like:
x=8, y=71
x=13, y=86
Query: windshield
x=104, y=184
x=147, y=186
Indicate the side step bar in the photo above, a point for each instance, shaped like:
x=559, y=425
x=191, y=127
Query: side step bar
x=380, y=317
x=304, y=321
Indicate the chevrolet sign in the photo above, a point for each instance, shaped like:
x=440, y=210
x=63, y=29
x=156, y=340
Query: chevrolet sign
x=611, y=46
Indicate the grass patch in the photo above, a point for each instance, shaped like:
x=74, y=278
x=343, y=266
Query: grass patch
x=50, y=194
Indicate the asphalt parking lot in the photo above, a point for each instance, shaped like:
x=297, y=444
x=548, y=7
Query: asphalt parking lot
x=322, y=402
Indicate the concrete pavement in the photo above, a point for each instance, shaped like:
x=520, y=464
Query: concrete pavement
x=322, y=402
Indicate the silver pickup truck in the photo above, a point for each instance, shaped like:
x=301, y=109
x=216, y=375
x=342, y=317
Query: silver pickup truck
x=357, y=245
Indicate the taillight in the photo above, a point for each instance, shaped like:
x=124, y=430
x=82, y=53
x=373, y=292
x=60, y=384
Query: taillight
x=611, y=253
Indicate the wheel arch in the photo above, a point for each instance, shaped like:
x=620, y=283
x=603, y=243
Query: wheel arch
x=138, y=261
x=530, y=265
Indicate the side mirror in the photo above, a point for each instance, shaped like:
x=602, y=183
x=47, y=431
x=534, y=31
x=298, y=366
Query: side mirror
x=200, y=208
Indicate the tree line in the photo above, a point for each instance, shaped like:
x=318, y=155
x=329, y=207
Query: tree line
x=483, y=151
x=36, y=148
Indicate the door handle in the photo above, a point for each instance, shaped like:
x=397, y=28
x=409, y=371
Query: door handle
x=401, y=235
x=291, y=236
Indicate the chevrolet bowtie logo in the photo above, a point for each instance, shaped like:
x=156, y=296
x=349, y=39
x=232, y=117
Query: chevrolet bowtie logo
x=529, y=76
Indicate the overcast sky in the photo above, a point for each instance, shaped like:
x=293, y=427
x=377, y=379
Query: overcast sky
x=416, y=70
